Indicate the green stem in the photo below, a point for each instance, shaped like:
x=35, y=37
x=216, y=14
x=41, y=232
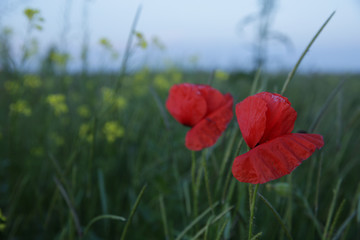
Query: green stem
x=252, y=208
x=207, y=180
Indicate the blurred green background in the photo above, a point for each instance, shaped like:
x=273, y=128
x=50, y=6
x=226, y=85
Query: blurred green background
x=82, y=143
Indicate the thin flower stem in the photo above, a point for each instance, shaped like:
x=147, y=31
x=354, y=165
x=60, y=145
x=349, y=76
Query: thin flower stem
x=193, y=181
x=207, y=180
x=193, y=169
x=252, y=208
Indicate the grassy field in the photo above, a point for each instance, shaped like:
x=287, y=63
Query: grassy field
x=72, y=149
x=97, y=155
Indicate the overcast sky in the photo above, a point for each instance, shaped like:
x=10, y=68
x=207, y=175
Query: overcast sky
x=207, y=29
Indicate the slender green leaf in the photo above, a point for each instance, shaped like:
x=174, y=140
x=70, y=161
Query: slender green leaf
x=195, y=221
x=331, y=209
x=293, y=71
x=277, y=215
x=201, y=231
x=133, y=210
x=105, y=216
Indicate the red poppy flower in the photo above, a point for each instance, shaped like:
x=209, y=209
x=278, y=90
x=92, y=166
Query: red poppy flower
x=266, y=121
x=202, y=108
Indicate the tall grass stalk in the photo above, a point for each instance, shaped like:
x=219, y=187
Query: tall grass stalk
x=195, y=221
x=133, y=210
x=71, y=207
x=331, y=210
x=101, y=217
x=164, y=217
x=215, y=219
x=277, y=215
x=293, y=71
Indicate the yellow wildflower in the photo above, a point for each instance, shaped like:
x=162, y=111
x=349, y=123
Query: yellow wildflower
x=32, y=81
x=57, y=102
x=12, y=87
x=85, y=132
x=21, y=107
x=112, y=131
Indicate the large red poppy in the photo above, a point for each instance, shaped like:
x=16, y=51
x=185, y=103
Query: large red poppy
x=204, y=109
x=266, y=121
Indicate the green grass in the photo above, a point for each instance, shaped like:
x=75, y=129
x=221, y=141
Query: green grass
x=101, y=177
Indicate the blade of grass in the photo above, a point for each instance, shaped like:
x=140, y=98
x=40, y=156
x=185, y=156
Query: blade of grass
x=201, y=231
x=187, y=198
x=311, y=215
x=326, y=105
x=221, y=231
x=276, y=214
x=160, y=106
x=105, y=216
x=133, y=210
x=207, y=185
x=163, y=216
x=208, y=222
x=70, y=205
x=127, y=49
x=103, y=198
x=226, y=159
x=256, y=236
x=228, y=177
x=293, y=71
x=331, y=209
x=317, y=190
x=255, y=82
x=195, y=221
x=336, y=218
x=344, y=226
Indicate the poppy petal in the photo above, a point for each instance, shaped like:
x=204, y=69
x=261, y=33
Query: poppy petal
x=251, y=116
x=280, y=117
x=186, y=104
x=207, y=131
x=275, y=158
x=213, y=97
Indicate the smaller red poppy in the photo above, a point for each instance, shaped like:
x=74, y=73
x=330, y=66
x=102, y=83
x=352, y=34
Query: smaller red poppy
x=203, y=108
x=266, y=121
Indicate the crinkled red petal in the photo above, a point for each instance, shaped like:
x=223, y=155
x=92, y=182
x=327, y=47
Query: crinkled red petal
x=275, y=158
x=207, y=131
x=280, y=116
x=186, y=104
x=251, y=116
x=213, y=97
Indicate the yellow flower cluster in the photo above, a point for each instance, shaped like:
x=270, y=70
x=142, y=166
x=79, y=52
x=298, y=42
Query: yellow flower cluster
x=163, y=82
x=32, y=81
x=221, y=75
x=57, y=102
x=57, y=139
x=21, y=107
x=85, y=132
x=113, y=130
x=110, y=98
x=12, y=87
x=2, y=222
x=83, y=111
